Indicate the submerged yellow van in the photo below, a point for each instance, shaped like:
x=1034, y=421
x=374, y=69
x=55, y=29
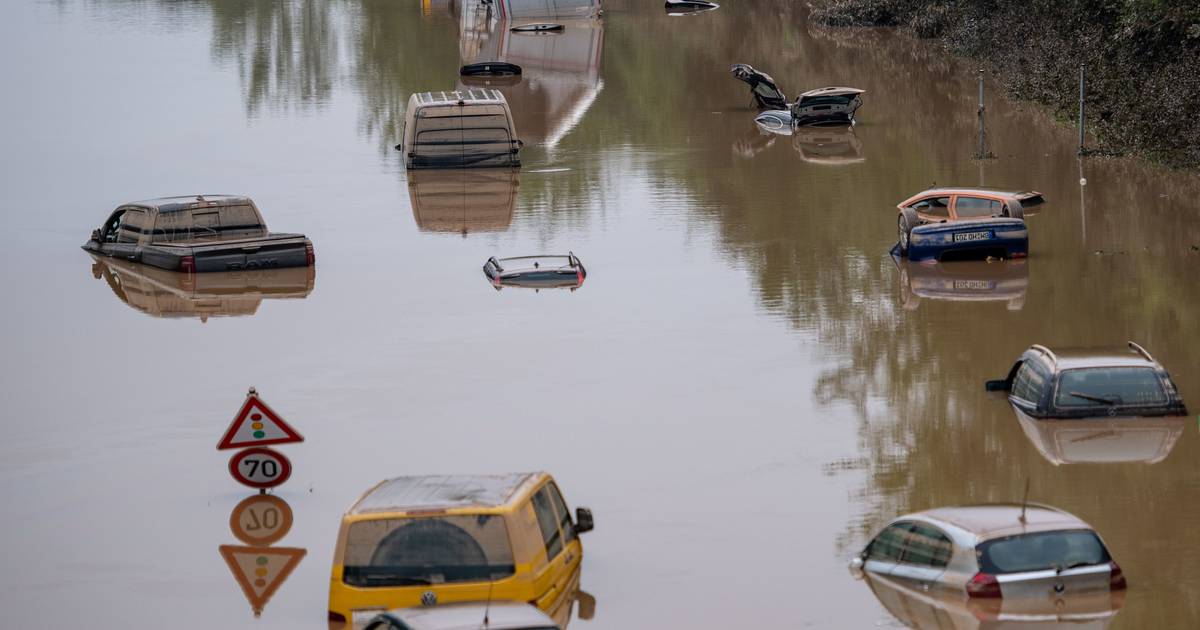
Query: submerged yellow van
x=414, y=541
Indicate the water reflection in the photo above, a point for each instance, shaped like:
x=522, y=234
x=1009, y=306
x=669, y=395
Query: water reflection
x=560, y=69
x=161, y=293
x=829, y=145
x=964, y=281
x=927, y=609
x=462, y=201
x=1103, y=440
x=260, y=521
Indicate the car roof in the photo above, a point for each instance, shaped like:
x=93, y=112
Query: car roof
x=997, y=520
x=469, y=616
x=1131, y=355
x=185, y=202
x=481, y=96
x=950, y=190
x=434, y=492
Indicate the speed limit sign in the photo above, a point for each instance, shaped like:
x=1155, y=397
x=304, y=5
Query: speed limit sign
x=260, y=467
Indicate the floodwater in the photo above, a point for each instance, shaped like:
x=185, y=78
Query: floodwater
x=744, y=389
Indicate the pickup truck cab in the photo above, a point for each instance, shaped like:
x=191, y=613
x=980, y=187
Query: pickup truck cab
x=421, y=541
x=943, y=223
x=198, y=234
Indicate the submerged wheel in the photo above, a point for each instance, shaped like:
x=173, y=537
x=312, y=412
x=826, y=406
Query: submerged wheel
x=904, y=231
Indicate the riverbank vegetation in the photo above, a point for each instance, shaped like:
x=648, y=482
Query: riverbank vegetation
x=1142, y=59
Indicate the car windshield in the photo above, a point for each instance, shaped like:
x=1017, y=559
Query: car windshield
x=1089, y=387
x=1043, y=550
x=427, y=550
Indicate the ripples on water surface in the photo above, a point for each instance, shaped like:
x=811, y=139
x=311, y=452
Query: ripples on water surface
x=743, y=390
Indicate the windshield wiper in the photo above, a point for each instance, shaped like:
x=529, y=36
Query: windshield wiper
x=1107, y=401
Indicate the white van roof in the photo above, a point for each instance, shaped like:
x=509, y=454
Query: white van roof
x=482, y=96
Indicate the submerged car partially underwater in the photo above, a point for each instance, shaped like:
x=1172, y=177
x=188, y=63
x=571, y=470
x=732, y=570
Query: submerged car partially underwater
x=954, y=223
x=822, y=106
x=536, y=272
x=689, y=7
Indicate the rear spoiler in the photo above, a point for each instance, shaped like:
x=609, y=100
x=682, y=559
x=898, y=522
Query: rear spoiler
x=1030, y=198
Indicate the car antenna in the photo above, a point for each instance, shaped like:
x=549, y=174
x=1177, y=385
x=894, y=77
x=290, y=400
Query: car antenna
x=488, y=607
x=1024, y=502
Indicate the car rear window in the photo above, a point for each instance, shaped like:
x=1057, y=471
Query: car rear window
x=1122, y=385
x=1043, y=550
x=427, y=550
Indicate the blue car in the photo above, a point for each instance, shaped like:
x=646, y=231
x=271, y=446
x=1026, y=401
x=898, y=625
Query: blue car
x=964, y=223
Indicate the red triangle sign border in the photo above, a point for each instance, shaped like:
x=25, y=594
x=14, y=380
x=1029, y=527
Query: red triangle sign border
x=252, y=402
x=259, y=602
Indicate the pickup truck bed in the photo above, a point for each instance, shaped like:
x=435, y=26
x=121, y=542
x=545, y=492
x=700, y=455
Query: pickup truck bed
x=264, y=252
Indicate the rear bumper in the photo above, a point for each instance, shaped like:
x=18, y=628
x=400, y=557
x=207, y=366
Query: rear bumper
x=1007, y=238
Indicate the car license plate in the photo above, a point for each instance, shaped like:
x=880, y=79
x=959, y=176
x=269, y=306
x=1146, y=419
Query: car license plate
x=974, y=285
x=966, y=237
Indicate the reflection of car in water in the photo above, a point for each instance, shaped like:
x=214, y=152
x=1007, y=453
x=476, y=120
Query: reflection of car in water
x=560, y=70
x=413, y=541
x=964, y=281
x=925, y=609
x=1103, y=440
x=954, y=223
x=521, y=10
x=163, y=293
x=463, y=200
x=1090, y=383
x=1030, y=559
x=536, y=272
x=831, y=146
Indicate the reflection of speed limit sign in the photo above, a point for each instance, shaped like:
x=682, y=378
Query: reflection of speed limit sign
x=261, y=519
x=260, y=467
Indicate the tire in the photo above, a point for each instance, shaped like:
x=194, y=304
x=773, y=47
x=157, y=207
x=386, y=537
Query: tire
x=903, y=232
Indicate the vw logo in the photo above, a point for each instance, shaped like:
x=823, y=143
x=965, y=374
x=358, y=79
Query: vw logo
x=1112, y=410
x=1059, y=587
x=428, y=598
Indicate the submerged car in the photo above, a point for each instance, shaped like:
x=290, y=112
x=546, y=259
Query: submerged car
x=199, y=233
x=1088, y=383
x=536, y=272
x=421, y=541
x=954, y=223
x=925, y=609
x=470, y=616
x=827, y=106
x=967, y=281
x=1023, y=553
x=762, y=87
x=160, y=293
x=689, y=7
x=459, y=129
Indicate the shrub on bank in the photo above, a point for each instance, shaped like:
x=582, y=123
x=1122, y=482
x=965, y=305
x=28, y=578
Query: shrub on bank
x=1142, y=58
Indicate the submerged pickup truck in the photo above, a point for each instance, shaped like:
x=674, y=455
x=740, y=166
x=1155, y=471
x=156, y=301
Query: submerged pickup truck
x=198, y=234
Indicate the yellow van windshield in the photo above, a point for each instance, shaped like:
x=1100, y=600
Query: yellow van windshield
x=427, y=550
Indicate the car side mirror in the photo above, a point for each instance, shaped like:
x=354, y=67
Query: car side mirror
x=583, y=520
x=998, y=385
x=856, y=563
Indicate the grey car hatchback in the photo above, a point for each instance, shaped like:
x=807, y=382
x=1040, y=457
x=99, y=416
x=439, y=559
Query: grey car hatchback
x=993, y=551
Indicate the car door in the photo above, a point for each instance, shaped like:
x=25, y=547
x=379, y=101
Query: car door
x=924, y=555
x=932, y=209
x=551, y=577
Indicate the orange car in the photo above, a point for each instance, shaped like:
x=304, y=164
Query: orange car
x=946, y=223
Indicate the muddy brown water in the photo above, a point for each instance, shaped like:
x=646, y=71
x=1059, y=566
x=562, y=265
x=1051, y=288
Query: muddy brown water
x=743, y=390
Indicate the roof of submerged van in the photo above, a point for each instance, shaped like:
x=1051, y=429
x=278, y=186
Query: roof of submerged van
x=443, y=492
x=480, y=96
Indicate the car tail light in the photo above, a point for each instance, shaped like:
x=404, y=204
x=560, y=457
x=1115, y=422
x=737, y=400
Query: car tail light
x=1020, y=255
x=187, y=264
x=1116, y=579
x=579, y=277
x=310, y=257
x=983, y=585
x=337, y=617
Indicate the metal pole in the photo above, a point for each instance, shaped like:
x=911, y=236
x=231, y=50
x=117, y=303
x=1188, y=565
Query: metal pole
x=1081, y=112
x=980, y=154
